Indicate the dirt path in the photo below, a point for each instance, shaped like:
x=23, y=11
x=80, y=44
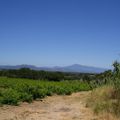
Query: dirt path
x=51, y=108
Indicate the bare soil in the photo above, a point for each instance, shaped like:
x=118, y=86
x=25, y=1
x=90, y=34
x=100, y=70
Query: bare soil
x=71, y=107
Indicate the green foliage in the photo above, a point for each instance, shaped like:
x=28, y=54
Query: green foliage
x=25, y=97
x=46, y=75
x=15, y=90
x=10, y=97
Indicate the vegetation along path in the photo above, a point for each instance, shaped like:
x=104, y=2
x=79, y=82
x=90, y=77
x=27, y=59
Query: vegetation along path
x=71, y=107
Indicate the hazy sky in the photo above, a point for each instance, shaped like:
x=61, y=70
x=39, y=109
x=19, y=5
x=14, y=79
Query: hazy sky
x=59, y=32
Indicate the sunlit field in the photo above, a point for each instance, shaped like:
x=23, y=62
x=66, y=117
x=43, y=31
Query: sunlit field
x=16, y=90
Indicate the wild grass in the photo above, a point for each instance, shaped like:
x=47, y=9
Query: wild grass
x=103, y=100
x=106, y=98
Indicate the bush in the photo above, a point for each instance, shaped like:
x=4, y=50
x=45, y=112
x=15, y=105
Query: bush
x=42, y=93
x=63, y=91
x=28, y=90
x=10, y=97
x=25, y=97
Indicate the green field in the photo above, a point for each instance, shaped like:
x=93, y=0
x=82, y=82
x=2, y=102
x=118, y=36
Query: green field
x=15, y=90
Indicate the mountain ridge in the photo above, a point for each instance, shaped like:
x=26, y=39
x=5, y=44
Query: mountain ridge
x=71, y=68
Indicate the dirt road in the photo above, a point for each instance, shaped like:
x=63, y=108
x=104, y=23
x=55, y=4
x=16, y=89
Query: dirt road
x=51, y=108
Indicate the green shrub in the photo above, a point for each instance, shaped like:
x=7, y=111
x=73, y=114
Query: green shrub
x=25, y=97
x=68, y=91
x=28, y=90
x=49, y=93
x=10, y=97
x=63, y=91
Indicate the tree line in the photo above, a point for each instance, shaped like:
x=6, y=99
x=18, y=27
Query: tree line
x=46, y=75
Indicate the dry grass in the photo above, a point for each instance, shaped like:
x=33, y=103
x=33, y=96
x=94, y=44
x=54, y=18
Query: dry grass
x=103, y=102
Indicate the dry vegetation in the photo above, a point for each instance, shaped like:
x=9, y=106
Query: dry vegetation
x=105, y=100
x=101, y=101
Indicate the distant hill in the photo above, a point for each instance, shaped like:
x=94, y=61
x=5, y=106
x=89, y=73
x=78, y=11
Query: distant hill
x=71, y=68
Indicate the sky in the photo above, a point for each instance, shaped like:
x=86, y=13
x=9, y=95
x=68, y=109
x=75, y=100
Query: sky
x=59, y=32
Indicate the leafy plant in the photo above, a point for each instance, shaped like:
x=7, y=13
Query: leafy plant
x=15, y=90
x=10, y=97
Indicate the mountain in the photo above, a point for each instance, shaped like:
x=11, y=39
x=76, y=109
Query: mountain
x=71, y=68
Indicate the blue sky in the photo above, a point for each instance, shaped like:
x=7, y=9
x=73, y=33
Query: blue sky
x=59, y=32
